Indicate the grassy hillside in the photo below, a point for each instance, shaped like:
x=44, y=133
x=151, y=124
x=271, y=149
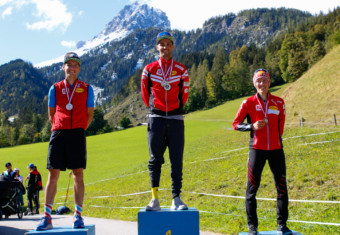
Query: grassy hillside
x=214, y=174
x=132, y=107
x=316, y=94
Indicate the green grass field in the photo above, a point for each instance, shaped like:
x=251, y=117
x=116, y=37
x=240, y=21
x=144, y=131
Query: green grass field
x=214, y=174
x=215, y=157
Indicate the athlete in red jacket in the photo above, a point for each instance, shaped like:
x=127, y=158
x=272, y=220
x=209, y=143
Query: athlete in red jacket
x=165, y=89
x=70, y=111
x=265, y=115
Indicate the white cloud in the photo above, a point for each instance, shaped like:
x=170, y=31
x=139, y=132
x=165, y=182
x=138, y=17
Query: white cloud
x=68, y=44
x=54, y=14
x=7, y=12
x=49, y=14
x=4, y=2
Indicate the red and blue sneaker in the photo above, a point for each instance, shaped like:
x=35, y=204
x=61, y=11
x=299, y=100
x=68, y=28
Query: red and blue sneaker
x=78, y=222
x=45, y=223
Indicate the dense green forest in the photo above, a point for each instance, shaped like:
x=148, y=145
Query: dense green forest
x=220, y=57
x=216, y=78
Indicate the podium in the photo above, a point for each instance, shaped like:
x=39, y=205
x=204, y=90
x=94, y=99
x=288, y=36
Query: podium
x=168, y=222
x=66, y=230
x=270, y=233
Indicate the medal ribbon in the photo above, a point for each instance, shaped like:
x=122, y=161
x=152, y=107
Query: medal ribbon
x=263, y=111
x=74, y=88
x=167, y=72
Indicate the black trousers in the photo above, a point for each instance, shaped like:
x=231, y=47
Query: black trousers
x=163, y=133
x=256, y=161
x=33, y=196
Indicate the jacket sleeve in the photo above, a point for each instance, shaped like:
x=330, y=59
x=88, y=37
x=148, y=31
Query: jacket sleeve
x=31, y=180
x=185, y=88
x=282, y=118
x=242, y=113
x=145, y=86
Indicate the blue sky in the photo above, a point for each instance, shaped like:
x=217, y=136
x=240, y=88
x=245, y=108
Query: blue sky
x=40, y=30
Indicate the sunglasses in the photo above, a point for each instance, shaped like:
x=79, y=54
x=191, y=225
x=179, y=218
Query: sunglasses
x=260, y=70
x=162, y=34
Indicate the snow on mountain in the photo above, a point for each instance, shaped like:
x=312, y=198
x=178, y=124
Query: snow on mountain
x=130, y=18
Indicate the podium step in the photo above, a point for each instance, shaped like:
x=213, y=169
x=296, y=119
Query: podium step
x=66, y=230
x=168, y=222
x=270, y=233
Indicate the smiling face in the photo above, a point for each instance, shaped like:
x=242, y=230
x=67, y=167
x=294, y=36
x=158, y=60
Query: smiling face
x=262, y=85
x=165, y=48
x=71, y=68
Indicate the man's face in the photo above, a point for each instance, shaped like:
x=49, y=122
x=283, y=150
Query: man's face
x=165, y=48
x=71, y=68
x=262, y=85
x=9, y=167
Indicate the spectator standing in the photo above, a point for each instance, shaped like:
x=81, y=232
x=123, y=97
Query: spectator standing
x=34, y=185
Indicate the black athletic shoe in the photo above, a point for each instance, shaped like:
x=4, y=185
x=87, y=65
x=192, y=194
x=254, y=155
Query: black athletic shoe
x=284, y=230
x=252, y=230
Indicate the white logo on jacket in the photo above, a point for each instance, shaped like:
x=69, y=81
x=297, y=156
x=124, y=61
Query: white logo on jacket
x=272, y=111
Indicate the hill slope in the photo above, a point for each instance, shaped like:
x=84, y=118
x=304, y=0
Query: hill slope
x=316, y=94
x=117, y=181
x=118, y=184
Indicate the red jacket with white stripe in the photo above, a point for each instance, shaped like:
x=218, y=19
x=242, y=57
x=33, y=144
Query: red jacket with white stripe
x=269, y=137
x=160, y=101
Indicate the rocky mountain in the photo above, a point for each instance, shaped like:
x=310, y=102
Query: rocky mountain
x=133, y=17
x=127, y=43
x=129, y=19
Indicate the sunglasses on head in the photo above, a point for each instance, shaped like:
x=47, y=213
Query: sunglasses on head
x=164, y=34
x=260, y=70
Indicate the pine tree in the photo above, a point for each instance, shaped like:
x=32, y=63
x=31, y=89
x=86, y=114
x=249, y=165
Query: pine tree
x=317, y=52
x=211, y=95
x=216, y=73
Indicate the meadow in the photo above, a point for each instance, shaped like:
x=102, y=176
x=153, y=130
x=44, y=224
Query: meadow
x=215, y=157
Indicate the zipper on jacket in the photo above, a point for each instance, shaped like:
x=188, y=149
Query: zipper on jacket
x=268, y=135
x=267, y=124
x=166, y=92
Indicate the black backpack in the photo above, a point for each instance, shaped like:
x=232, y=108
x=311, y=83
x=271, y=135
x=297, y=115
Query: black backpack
x=38, y=181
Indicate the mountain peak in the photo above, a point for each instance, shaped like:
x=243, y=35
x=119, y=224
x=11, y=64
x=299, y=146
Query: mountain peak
x=136, y=16
x=130, y=18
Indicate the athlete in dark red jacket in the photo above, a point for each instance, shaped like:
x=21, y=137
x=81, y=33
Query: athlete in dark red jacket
x=265, y=115
x=165, y=89
x=165, y=95
x=253, y=108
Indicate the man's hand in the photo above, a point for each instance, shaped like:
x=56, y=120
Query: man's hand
x=259, y=125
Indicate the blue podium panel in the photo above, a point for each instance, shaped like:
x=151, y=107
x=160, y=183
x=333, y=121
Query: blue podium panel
x=66, y=230
x=168, y=222
x=270, y=233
